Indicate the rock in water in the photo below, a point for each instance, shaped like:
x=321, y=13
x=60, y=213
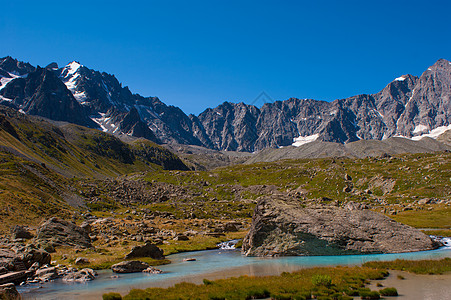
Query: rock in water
x=80, y=276
x=284, y=228
x=129, y=266
x=62, y=233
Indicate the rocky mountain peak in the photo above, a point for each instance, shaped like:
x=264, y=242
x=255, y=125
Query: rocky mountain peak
x=408, y=106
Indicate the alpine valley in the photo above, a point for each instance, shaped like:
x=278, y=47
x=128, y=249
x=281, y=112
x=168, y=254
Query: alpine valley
x=93, y=176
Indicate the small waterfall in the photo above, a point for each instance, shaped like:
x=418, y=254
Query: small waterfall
x=228, y=245
x=446, y=241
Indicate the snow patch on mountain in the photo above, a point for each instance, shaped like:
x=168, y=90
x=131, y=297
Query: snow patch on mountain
x=401, y=78
x=299, y=141
x=105, y=123
x=420, y=128
x=13, y=75
x=433, y=133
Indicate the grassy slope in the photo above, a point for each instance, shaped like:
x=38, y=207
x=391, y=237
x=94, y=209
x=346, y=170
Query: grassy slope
x=40, y=164
x=387, y=184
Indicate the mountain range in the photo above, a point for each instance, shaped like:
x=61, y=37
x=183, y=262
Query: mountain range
x=409, y=106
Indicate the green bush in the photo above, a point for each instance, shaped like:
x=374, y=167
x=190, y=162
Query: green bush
x=257, y=293
x=321, y=280
x=369, y=295
x=281, y=296
x=112, y=296
x=389, y=292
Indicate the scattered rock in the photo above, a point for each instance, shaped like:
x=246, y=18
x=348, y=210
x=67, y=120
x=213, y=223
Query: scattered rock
x=152, y=270
x=81, y=261
x=189, y=259
x=181, y=237
x=424, y=201
x=46, y=274
x=351, y=205
x=147, y=250
x=129, y=266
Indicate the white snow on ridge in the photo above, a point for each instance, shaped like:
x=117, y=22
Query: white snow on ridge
x=401, y=78
x=4, y=80
x=433, y=133
x=72, y=68
x=420, y=128
x=105, y=123
x=299, y=141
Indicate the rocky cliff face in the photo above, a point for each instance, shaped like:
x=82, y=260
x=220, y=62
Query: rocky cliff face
x=284, y=227
x=409, y=106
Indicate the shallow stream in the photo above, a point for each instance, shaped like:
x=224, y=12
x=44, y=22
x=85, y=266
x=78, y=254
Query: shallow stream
x=211, y=264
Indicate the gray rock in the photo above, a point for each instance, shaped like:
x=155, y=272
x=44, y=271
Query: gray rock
x=9, y=292
x=152, y=270
x=80, y=276
x=282, y=227
x=81, y=261
x=20, y=232
x=62, y=233
x=181, y=237
x=46, y=274
x=147, y=250
x=132, y=266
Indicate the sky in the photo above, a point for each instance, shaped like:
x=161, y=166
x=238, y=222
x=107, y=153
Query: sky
x=198, y=54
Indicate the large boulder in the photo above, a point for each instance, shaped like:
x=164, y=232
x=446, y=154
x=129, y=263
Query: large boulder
x=129, y=266
x=147, y=250
x=58, y=232
x=283, y=227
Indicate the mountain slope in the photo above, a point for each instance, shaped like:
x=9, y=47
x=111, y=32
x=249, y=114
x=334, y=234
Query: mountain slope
x=41, y=163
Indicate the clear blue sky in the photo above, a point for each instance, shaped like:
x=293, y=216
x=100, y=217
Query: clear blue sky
x=198, y=54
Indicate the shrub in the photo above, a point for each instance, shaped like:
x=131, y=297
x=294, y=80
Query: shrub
x=257, y=293
x=207, y=282
x=369, y=295
x=321, y=280
x=389, y=292
x=112, y=296
x=281, y=296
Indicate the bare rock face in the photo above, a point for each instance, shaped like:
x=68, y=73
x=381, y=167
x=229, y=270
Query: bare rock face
x=147, y=250
x=284, y=228
x=62, y=233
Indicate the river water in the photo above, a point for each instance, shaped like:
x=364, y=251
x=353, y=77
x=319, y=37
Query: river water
x=210, y=264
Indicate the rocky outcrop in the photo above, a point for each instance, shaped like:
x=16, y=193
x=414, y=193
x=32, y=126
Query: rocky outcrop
x=132, y=266
x=147, y=250
x=284, y=227
x=58, y=232
x=23, y=258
